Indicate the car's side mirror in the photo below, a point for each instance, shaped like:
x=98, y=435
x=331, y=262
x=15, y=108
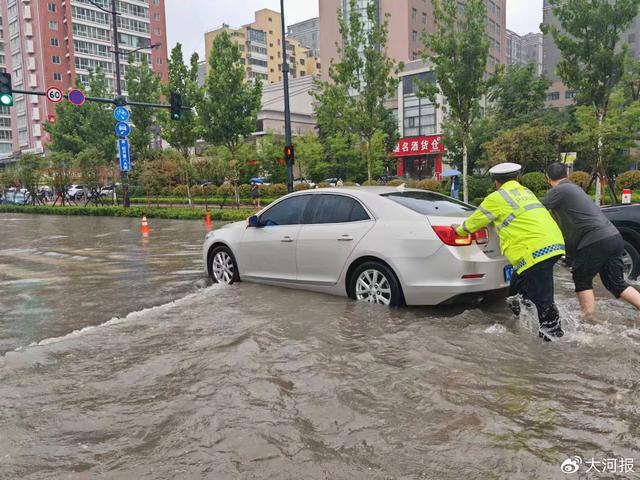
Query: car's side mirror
x=253, y=222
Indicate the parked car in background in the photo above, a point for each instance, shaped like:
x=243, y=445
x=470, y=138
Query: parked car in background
x=331, y=181
x=107, y=191
x=15, y=196
x=626, y=218
x=299, y=181
x=379, y=245
x=77, y=192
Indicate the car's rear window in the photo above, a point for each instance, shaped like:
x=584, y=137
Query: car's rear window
x=430, y=203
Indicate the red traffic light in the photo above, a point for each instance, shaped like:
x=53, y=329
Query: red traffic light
x=289, y=154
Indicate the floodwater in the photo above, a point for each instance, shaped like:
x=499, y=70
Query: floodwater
x=181, y=379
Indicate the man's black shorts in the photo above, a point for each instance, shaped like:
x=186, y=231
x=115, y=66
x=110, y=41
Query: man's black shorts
x=605, y=258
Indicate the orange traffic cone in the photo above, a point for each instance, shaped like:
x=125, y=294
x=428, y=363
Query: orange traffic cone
x=207, y=221
x=145, y=227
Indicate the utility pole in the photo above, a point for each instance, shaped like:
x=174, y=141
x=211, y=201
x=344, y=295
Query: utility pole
x=289, y=157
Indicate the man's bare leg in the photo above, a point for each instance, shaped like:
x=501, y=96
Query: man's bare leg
x=587, y=302
x=631, y=296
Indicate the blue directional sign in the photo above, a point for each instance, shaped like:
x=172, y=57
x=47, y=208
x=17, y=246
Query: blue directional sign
x=121, y=114
x=125, y=157
x=123, y=129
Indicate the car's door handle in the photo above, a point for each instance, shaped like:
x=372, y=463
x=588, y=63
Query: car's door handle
x=346, y=238
x=287, y=240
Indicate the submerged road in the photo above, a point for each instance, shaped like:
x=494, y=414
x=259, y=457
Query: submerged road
x=121, y=361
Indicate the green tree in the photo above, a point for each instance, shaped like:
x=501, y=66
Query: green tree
x=353, y=101
x=143, y=85
x=182, y=134
x=30, y=172
x=231, y=166
x=270, y=155
x=604, y=143
x=593, y=60
x=60, y=170
x=230, y=107
x=92, y=166
x=518, y=94
x=310, y=158
x=458, y=51
x=159, y=173
x=530, y=145
x=89, y=126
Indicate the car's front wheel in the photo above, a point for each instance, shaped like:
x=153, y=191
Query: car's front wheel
x=631, y=260
x=374, y=282
x=222, y=266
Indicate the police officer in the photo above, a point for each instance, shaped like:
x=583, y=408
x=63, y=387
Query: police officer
x=529, y=238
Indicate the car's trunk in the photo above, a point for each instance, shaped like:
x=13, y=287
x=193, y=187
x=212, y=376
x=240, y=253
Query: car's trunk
x=491, y=249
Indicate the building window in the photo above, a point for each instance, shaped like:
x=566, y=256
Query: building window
x=53, y=25
x=57, y=77
x=54, y=42
x=270, y=19
x=632, y=38
x=55, y=60
x=424, y=18
x=414, y=14
x=569, y=94
x=553, y=96
x=414, y=36
x=159, y=61
x=51, y=7
x=156, y=17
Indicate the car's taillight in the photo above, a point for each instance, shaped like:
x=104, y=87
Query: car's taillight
x=481, y=236
x=449, y=236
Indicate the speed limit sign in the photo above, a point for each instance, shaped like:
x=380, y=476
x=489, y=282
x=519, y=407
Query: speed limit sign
x=54, y=94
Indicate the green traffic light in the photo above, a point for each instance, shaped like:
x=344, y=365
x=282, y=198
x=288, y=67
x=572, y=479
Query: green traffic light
x=6, y=99
x=176, y=116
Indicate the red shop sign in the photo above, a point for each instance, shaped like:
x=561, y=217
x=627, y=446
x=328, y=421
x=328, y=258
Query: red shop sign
x=416, y=146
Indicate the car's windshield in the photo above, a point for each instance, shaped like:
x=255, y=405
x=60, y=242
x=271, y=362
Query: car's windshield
x=430, y=203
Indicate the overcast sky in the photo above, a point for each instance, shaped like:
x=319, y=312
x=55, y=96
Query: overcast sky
x=188, y=20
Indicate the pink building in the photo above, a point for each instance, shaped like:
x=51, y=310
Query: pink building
x=48, y=43
x=408, y=19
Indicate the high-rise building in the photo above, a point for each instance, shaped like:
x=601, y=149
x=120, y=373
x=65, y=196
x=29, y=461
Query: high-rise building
x=559, y=95
x=260, y=44
x=307, y=33
x=56, y=42
x=407, y=20
x=524, y=50
x=6, y=143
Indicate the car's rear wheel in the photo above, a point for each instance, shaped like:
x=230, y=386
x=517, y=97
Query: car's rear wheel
x=631, y=260
x=373, y=282
x=223, y=267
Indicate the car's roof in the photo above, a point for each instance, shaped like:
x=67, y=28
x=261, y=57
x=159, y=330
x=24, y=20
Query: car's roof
x=376, y=190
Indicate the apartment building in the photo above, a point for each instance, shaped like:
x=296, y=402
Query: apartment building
x=559, y=96
x=408, y=19
x=6, y=136
x=307, y=33
x=56, y=42
x=260, y=44
x=525, y=49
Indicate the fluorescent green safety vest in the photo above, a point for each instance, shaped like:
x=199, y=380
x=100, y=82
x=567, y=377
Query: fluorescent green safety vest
x=528, y=234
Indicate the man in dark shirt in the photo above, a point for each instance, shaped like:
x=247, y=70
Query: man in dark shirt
x=591, y=240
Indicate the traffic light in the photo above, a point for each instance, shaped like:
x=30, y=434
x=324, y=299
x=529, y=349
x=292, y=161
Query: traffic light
x=176, y=106
x=6, y=90
x=289, y=154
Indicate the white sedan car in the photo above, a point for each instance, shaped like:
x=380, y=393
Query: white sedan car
x=384, y=245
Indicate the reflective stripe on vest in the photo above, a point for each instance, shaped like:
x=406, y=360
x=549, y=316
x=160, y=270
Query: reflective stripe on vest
x=512, y=203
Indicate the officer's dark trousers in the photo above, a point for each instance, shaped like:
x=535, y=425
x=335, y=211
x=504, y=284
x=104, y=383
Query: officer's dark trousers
x=536, y=286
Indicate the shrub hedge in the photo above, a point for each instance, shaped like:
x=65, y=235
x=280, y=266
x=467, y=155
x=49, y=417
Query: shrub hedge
x=135, y=212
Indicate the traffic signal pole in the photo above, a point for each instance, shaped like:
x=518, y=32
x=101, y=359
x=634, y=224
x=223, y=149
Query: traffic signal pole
x=287, y=109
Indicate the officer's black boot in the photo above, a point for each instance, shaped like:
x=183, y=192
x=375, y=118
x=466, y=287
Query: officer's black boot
x=550, y=327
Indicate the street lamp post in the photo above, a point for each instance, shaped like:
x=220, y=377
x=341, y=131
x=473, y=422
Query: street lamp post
x=287, y=108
